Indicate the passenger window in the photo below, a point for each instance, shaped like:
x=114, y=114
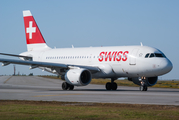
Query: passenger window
x=147, y=55
x=152, y=55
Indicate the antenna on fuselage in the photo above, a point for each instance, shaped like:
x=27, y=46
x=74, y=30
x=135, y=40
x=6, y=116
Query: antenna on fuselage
x=141, y=44
x=72, y=46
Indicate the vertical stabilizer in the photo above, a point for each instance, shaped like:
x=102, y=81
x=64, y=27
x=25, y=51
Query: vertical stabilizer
x=34, y=38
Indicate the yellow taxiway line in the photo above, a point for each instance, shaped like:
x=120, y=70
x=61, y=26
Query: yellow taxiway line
x=56, y=95
x=7, y=80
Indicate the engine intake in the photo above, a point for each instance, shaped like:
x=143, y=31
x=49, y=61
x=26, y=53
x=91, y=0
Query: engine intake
x=78, y=77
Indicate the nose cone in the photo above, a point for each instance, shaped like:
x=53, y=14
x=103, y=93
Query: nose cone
x=166, y=66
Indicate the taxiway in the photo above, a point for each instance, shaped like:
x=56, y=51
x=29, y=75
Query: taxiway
x=43, y=89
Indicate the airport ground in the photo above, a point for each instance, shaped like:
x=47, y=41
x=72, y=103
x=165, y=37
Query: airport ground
x=52, y=110
x=37, y=97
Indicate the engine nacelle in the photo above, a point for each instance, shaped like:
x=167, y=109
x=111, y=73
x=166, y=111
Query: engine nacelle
x=78, y=77
x=149, y=81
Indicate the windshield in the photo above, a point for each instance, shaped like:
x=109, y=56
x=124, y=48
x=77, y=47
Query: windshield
x=151, y=55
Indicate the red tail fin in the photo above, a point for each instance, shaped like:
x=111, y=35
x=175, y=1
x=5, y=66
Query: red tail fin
x=33, y=34
x=34, y=37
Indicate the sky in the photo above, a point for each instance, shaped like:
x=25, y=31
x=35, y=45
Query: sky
x=84, y=23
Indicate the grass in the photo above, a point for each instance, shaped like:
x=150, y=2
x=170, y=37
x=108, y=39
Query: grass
x=159, y=84
x=29, y=110
x=168, y=84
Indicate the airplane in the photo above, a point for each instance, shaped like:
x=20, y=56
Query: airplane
x=77, y=66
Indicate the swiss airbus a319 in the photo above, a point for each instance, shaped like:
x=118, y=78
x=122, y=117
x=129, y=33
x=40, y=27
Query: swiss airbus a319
x=77, y=66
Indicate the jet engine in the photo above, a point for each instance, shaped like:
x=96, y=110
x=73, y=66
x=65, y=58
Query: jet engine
x=149, y=81
x=78, y=77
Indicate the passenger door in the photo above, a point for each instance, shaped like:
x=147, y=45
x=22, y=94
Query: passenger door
x=132, y=60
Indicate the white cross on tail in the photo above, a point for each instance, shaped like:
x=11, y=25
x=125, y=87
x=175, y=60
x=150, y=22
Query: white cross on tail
x=31, y=29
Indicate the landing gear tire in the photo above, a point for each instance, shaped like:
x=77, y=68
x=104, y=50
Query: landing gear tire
x=143, y=88
x=108, y=86
x=71, y=87
x=114, y=86
x=65, y=85
x=111, y=86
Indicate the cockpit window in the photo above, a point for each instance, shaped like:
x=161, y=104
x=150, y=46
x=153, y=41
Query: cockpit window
x=159, y=55
x=147, y=55
x=152, y=55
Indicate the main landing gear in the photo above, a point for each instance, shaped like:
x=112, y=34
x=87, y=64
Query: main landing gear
x=66, y=86
x=143, y=86
x=111, y=85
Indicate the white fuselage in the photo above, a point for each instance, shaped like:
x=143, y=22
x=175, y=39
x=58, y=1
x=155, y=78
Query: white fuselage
x=114, y=62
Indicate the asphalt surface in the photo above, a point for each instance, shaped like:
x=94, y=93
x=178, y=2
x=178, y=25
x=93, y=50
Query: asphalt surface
x=43, y=89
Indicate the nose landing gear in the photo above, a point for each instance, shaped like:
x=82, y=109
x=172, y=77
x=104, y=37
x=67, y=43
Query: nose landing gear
x=111, y=85
x=143, y=86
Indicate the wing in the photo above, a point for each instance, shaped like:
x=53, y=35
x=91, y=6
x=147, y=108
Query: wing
x=35, y=64
x=25, y=57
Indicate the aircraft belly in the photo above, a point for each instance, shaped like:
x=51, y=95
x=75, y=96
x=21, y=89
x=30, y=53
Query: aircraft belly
x=119, y=70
